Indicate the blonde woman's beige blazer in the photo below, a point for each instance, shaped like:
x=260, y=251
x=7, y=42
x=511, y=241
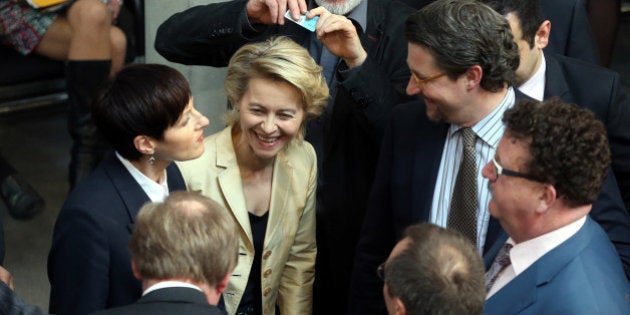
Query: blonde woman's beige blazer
x=288, y=257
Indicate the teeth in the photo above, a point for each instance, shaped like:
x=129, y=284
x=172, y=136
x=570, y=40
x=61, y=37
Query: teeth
x=267, y=140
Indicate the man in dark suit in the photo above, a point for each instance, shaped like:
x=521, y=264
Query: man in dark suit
x=571, y=35
x=464, y=58
x=542, y=75
x=463, y=71
x=557, y=260
x=184, y=251
x=362, y=51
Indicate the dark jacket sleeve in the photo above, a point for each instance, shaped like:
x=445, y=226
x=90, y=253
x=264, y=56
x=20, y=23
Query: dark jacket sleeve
x=12, y=304
x=78, y=263
x=617, y=126
x=377, y=238
x=608, y=211
x=207, y=34
x=380, y=82
x=571, y=33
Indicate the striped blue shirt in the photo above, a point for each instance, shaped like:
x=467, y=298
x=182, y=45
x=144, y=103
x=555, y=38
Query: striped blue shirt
x=489, y=131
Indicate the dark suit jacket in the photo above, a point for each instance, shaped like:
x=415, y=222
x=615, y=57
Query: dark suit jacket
x=209, y=35
x=571, y=33
x=403, y=192
x=597, y=89
x=580, y=276
x=168, y=301
x=89, y=265
x=12, y=304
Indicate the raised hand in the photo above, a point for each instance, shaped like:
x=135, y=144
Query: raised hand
x=339, y=36
x=272, y=11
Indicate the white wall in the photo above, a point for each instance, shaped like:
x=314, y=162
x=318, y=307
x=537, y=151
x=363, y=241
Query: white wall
x=206, y=82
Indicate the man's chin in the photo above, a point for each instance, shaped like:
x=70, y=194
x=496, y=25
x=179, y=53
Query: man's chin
x=339, y=7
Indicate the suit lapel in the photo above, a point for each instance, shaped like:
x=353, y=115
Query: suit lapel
x=128, y=189
x=517, y=295
x=555, y=82
x=280, y=192
x=521, y=292
x=230, y=182
x=426, y=167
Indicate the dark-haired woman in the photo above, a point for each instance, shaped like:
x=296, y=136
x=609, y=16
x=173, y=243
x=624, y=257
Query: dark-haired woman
x=147, y=114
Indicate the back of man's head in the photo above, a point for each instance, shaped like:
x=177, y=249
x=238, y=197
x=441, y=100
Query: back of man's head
x=188, y=236
x=463, y=33
x=439, y=272
x=568, y=147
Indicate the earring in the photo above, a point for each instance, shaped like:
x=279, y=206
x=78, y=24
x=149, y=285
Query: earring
x=152, y=160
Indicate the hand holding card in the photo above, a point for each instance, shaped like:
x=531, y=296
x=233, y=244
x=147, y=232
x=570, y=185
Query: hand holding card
x=304, y=22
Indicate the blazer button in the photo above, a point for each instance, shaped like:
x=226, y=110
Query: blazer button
x=267, y=254
x=267, y=291
x=267, y=273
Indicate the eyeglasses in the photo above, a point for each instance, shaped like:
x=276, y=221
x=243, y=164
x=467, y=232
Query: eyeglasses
x=422, y=82
x=380, y=271
x=499, y=170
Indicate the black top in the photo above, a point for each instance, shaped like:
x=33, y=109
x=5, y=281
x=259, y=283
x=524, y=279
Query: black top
x=251, y=303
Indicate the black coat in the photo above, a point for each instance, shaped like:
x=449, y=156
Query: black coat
x=89, y=264
x=168, y=301
x=597, y=89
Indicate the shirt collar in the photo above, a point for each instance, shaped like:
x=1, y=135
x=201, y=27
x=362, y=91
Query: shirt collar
x=535, y=86
x=525, y=254
x=490, y=129
x=157, y=192
x=170, y=284
x=359, y=14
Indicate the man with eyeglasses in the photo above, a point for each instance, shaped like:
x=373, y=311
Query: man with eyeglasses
x=463, y=59
x=548, y=170
x=543, y=74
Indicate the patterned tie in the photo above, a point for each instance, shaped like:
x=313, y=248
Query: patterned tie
x=500, y=262
x=463, y=213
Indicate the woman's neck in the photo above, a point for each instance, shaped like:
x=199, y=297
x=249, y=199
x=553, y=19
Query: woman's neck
x=154, y=171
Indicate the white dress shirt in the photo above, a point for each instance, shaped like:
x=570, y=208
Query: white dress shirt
x=157, y=192
x=525, y=254
x=535, y=86
x=489, y=131
x=170, y=284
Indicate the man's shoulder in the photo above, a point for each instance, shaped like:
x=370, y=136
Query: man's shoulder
x=163, y=308
x=580, y=70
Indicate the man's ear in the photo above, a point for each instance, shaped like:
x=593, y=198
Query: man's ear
x=221, y=286
x=548, y=196
x=144, y=144
x=541, y=39
x=473, y=76
x=400, y=306
x=134, y=269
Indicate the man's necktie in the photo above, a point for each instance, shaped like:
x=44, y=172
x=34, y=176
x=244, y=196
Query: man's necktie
x=463, y=213
x=500, y=262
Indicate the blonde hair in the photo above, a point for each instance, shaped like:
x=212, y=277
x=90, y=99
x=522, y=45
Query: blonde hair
x=187, y=236
x=278, y=58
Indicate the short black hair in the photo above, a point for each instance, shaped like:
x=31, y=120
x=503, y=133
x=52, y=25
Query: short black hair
x=528, y=13
x=142, y=99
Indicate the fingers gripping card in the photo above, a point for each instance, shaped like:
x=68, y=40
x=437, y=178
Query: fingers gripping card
x=308, y=24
